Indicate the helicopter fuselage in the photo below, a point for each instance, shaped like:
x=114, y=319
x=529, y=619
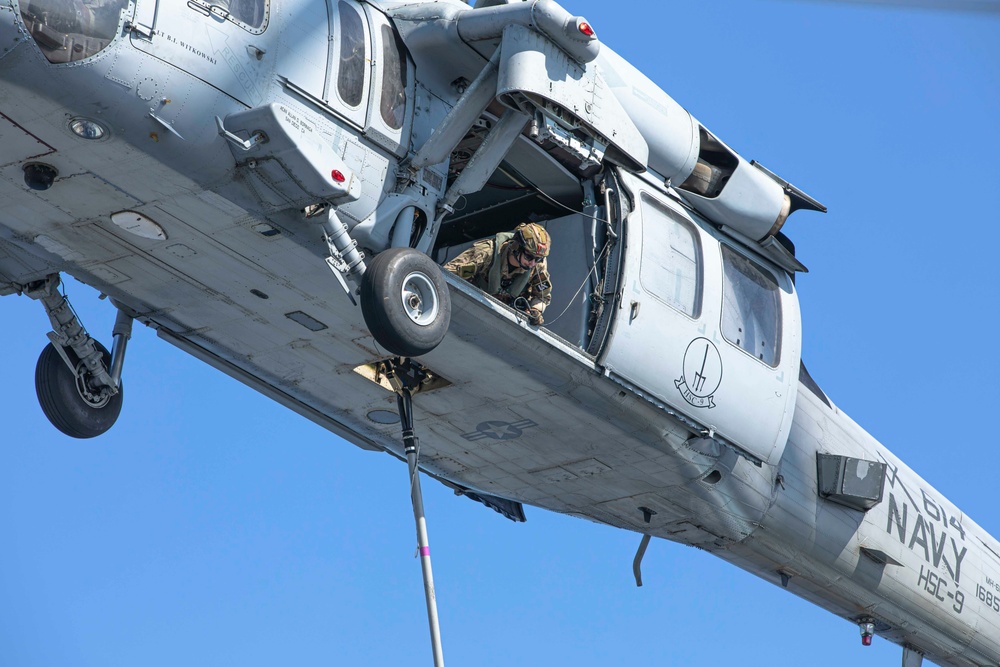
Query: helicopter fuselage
x=178, y=158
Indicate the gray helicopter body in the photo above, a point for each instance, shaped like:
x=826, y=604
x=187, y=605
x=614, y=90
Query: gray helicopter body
x=222, y=172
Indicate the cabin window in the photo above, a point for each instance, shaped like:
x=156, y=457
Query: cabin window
x=248, y=12
x=751, y=307
x=351, y=78
x=671, y=266
x=393, y=103
x=250, y=15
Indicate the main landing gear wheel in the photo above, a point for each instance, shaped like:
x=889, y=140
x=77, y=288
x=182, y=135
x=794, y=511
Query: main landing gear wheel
x=69, y=400
x=405, y=302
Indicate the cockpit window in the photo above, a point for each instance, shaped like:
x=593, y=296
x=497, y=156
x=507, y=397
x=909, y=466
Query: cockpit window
x=751, y=307
x=248, y=14
x=69, y=30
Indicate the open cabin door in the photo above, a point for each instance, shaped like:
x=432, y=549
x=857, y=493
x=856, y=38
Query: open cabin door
x=706, y=328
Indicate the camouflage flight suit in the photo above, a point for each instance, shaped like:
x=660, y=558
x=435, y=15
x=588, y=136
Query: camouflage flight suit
x=488, y=269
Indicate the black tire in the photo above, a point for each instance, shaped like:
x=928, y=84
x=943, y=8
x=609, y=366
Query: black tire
x=405, y=302
x=64, y=401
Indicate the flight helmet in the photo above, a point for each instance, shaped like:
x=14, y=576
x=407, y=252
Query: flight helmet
x=532, y=239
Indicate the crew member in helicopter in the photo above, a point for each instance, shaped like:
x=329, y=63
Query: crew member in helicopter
x=511, y=267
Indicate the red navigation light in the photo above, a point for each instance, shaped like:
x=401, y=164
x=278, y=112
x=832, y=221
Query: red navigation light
x=585, y=28
x=338, y=176
x=867, y=627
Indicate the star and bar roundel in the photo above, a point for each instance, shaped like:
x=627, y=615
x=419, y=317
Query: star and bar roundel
x=499, y=430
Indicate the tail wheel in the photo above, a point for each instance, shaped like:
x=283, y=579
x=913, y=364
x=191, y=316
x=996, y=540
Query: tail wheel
x=405, y=302
x=69, y=400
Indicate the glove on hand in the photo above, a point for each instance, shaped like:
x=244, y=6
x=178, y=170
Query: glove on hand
x=534, y=315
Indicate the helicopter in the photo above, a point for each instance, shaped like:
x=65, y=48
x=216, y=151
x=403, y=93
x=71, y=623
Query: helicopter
x=793, y=219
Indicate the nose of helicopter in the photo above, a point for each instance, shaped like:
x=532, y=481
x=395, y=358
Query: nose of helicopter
x=69, y=31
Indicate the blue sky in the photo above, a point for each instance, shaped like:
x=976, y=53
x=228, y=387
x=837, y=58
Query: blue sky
x=213, y=527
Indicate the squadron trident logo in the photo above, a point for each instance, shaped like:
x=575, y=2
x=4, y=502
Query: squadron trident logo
x=702, y=373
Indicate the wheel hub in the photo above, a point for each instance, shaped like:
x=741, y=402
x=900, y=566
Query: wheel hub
x=95, y=398
x=420, y=299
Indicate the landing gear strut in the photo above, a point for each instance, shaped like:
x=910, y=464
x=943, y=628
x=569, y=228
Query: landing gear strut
x=404, y=378
x=77, y=380
x=404, y=299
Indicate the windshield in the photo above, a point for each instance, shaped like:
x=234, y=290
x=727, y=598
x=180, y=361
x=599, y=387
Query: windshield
x=68, y=30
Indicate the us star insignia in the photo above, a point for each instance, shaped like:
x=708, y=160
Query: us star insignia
x=498, y=430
